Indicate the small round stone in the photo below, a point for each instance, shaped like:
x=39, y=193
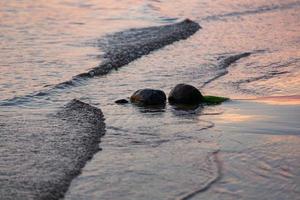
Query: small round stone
x=185, y=94
x=148, y=97
x=121, y=101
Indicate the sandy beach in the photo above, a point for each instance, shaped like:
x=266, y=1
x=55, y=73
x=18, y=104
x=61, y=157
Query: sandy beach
x=65, y=63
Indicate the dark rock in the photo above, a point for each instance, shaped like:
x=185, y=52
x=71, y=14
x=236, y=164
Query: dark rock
x=121, y=101
x=185, y=94
x=146, y=97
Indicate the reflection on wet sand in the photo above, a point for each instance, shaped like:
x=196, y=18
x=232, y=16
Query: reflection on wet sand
x=166, y=154
x=260, y=149
x=280, y=100
x=235, y=117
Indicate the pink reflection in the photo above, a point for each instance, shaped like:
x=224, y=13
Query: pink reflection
x=236, y=117
x=280, y=100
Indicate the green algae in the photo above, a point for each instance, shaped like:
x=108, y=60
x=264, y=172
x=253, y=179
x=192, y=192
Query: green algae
x=214, y=100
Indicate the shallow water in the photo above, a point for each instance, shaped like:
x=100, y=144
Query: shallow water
x=167, y=154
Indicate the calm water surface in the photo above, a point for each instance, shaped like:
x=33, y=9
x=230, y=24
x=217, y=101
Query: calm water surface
x=239, y=150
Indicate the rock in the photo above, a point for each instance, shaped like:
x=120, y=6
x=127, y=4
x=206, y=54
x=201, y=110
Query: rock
x=121, y=101
x=185, y=94
x=146, y=97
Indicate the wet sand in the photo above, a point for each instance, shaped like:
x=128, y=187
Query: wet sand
x=80, y=125
x=252, y=150
x=242, y=149
x=40, y=155
x=259, y=149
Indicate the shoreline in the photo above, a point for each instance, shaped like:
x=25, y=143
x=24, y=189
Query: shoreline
x=241, y=149
x=248, y=133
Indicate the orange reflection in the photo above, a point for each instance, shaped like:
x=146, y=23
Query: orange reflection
x=280, y=100
x=234, y=117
